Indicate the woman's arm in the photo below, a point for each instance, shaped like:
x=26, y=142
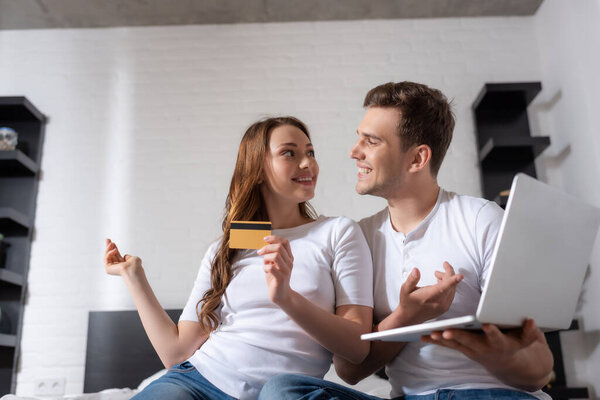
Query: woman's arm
x=173, y=343
x=379, y=355
x=339, y=332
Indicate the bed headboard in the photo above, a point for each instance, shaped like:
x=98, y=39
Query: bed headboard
x=119, y=354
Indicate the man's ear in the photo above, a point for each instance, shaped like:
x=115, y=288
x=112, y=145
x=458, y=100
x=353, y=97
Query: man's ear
x=420, y=157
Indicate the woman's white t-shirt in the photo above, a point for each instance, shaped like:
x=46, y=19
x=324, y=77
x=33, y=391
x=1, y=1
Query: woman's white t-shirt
x=256, y=339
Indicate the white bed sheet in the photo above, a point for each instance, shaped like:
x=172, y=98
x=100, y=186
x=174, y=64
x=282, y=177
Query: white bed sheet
x=372, y=385
x=108, y=394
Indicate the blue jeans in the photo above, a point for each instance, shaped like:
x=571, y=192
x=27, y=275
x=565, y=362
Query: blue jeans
x=181, y=382
x=299, y=387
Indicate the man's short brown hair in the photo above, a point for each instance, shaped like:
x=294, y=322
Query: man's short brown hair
x=425, y=116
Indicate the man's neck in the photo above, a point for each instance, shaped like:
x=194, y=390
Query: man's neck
x=409, y=208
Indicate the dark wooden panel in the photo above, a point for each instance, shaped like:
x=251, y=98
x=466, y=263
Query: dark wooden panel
x=119, y=354
x=6, y=360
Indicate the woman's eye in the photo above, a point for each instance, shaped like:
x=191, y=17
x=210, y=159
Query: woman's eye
x=287, y=153
x=311, y=153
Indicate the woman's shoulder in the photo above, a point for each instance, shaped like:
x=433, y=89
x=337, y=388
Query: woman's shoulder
x=339, y=225
x=337, y=220
x=323, y=229
x=374, y=223
x=212, y=249
x=214, y=245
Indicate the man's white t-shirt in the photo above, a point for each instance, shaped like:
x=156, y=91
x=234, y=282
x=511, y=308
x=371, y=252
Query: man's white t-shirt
x=461, y=230
x=256, y=339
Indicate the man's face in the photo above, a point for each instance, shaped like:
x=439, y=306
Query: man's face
x=378, y=153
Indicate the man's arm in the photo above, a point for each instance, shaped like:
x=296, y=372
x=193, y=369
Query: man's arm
x=417, y=304
x=519, y=358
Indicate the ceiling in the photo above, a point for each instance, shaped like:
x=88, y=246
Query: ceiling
x=44, y=14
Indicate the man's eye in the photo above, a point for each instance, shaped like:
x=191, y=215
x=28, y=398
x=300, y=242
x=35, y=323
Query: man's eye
x=311, y=153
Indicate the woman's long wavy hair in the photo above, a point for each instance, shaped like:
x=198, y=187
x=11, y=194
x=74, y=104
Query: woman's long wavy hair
x=244, y=203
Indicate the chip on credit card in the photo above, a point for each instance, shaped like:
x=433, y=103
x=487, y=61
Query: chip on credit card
x=248, y=234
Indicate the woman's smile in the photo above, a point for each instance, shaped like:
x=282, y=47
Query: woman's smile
x=304, y=180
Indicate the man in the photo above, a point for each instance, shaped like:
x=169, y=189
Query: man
x=401, y=144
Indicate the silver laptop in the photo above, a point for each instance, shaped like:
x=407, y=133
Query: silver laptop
x=538, y=264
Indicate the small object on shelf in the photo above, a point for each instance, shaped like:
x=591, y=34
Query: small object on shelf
x=3, y=247
x=502, y=198
x=8, y=138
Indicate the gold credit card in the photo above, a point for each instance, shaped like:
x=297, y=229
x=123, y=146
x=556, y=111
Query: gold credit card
x=248, y=234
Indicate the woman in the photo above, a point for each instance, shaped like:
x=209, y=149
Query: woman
x=253, y=314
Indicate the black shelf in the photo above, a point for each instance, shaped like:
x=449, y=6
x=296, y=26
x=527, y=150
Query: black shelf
x=13, y=223
x=512, y=149
x=18, y=108
x=11, y=277
x=19, y=182
x=498, y=96
x=505, y=144
x=16, y=163
x=8, y=340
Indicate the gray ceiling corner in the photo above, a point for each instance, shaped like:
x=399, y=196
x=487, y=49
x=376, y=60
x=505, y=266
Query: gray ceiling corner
x=49, y=14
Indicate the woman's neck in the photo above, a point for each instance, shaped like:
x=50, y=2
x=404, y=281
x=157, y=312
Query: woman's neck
x=283, y=216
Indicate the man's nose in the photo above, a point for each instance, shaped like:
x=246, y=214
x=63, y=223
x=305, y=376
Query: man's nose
x=355, y=152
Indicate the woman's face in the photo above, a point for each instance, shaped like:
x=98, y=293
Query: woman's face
x=290, y=170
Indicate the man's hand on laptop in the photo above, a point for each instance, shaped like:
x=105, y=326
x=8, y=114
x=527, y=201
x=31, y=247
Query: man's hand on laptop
x=518, y=357
x=419, y=304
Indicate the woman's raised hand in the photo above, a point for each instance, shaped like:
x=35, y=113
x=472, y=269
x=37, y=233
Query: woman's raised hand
x=115, y=264
x=278, y=263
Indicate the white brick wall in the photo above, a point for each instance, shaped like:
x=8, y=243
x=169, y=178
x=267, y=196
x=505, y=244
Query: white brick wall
x=144, y=128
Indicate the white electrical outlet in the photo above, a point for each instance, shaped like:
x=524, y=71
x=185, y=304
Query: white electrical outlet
x=49, y=387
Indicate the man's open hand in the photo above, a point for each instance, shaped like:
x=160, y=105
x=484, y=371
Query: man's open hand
x=419, y=304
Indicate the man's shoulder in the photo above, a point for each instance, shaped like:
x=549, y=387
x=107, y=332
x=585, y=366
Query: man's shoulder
x=464, y=200
x=468, y=202
x=472, y=208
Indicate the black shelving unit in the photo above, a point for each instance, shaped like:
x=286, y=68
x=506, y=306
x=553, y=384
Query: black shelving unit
x=19, y=177
x=504, y=141
x=16, y=163
x=505, y=148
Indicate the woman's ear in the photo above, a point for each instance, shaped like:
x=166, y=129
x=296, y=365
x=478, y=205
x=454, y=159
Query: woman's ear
x=421, y=156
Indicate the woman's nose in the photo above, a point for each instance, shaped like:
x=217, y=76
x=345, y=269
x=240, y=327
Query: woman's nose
x=306, y=162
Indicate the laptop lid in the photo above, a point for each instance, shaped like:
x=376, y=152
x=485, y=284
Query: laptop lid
x=540, y=258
